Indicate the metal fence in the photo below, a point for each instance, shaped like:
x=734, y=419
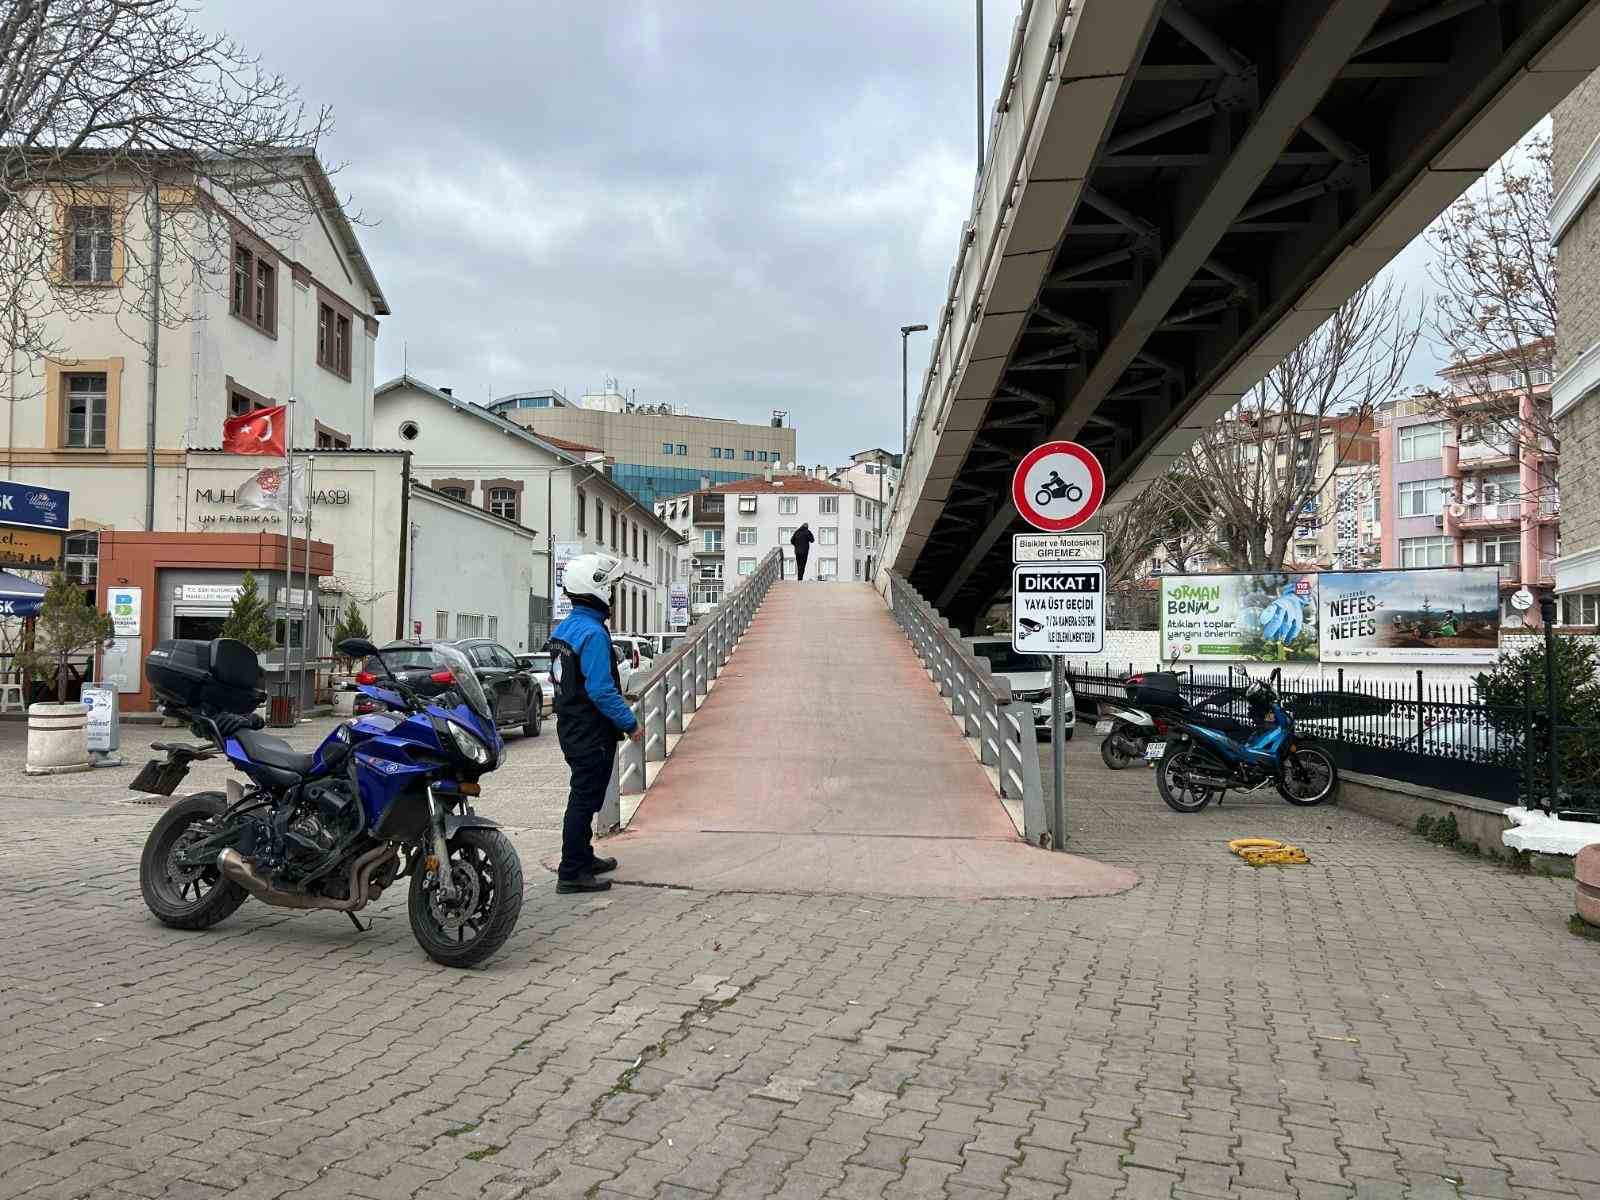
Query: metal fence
x=677, y=684
x=981, y=703
x=1440, y=735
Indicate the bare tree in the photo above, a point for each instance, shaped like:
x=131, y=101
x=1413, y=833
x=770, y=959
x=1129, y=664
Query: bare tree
x=1494, y=303
x=131, y=143
x=1262, y=470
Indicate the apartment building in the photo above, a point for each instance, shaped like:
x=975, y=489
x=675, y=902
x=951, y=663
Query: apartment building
x=731, y=527
x=1468, y=477
x=655, y=451
x=558, y=488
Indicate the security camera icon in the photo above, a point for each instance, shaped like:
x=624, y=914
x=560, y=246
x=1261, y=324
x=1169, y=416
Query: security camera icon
x=1029, y=625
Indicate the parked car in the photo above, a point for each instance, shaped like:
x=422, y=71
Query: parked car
x=1029, y=677
x=518, y=700
x=641, y=650
x=538, y=665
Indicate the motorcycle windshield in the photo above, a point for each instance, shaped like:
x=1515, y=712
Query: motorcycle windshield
x=466, y=682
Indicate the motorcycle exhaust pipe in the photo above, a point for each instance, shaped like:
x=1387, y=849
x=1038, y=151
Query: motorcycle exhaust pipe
x=233, y=866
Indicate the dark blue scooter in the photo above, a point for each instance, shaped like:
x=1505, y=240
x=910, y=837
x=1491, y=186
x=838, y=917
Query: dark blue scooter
x=383, y=796
x=1200, y=762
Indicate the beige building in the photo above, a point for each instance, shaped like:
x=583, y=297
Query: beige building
x=655, y=451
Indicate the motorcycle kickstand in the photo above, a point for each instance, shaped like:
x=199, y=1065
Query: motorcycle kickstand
x=356, y=921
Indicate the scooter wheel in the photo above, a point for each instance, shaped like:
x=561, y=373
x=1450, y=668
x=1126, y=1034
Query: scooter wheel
x=1111, y=756
x=1172, y=781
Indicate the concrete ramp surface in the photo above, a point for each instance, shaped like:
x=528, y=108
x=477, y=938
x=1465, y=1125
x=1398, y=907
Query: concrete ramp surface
x=825, y=761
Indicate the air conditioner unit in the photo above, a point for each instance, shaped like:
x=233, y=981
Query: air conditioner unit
x=1438, y=522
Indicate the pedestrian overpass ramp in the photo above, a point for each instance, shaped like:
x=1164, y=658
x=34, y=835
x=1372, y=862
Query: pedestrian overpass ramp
x=1175, y=194
x=824, y=761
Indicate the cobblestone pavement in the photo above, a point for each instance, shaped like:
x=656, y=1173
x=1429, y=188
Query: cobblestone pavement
x=1392, y=1020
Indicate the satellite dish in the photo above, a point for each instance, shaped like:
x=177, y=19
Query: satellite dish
x=1458, y=509
x=1522, y=599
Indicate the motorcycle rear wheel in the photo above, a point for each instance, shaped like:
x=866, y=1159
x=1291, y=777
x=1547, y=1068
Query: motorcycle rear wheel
x=1172, y=781
x=186, y=897
x=1310, y=777
x=1114, y=758
x=485, y=863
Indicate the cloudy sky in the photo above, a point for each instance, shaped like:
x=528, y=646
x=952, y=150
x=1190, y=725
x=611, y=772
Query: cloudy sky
x=730, y=206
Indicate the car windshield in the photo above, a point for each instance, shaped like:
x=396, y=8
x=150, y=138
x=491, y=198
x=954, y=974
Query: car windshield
x=466, y=681
x=1007, y=661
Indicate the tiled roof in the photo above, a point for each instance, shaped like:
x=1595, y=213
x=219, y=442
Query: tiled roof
x=570, y=445
x=790, y=484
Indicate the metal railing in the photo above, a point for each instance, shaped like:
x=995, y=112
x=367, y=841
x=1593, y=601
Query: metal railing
x=981, y=703
x=677, y=685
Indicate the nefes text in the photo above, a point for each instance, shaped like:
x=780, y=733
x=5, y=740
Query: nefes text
x=1350, y=617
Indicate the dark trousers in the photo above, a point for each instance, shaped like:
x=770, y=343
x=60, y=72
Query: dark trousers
x=591, y=774
x=800, y=557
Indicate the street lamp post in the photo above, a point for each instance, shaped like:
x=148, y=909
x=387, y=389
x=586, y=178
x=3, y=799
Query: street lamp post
x=905, y=332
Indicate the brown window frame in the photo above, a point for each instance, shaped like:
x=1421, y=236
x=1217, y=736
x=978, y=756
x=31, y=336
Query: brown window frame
x=329, y=438
x=105, y=396
x=253, y=294
x=335, y=327
x=583, y=509
x=515, y=486
x=69, y=247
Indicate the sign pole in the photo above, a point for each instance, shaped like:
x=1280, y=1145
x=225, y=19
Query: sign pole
x=1058, y=756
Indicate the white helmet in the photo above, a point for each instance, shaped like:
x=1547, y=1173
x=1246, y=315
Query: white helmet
x=591, y=575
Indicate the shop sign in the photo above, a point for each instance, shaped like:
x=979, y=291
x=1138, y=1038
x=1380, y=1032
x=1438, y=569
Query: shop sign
x=124, y=603
x=206, y=593
x=32, y=507
x=29, y=549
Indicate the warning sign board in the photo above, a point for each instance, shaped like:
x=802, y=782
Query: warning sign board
x=1058, y=547
x=1058, y=486
x=1058, y=609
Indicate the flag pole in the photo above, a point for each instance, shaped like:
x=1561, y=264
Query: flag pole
x=288, y=568
x=306, y=607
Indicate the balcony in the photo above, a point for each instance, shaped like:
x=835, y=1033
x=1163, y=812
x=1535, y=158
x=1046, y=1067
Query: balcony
x=1485, y=453
x=1491, y=515
x=1510, y=573
x=1547, y=573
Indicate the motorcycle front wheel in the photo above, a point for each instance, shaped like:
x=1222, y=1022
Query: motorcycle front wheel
x=1173, y=781
x=1309, y=776
x=467, y=929
x=1114, y=754
x=179, y=895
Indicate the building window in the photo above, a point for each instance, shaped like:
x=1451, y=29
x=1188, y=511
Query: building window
x=441, y=626
x=749, y=456
x=858, y=539
x=80, y=561
x=716, y=451
x=614, y=538
x=255, y=288
x=1427, y=552
x=711, y=570
x=599, y=521
x=711, y=540
x=858, y=568
x=1507, y=549
x=828, y=535
x=89, y=240
x=494, y=627
x=1578, y=608
x=1421, y=442
x=747, y=566
x=454, y=492
x=747, y=535
x=239, y=404
x=333, y=339
x=727, y=452
x=583, y=510
x=828, y=569
x=828, y=505
x=635, y=535
x=788, y=505
x=503, y=503
x=645, y=545
x=468, y=625
x=1420, y=498
x=682, y=449
x=747, y=504
x=666, y=447
x=332, y=439
x=86, y=411
x=784, y=534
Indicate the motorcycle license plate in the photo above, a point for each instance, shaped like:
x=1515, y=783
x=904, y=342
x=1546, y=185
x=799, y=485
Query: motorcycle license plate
x=1102, y=726
x=1155, y=750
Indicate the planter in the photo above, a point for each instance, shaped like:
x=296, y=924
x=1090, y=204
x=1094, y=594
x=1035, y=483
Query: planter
x=1586, y=883
x=58, y=742
x=344, y=703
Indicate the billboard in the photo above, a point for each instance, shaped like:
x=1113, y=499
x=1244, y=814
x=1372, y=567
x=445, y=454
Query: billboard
x=29, y=507
x=1421, y=615
x=1254, y=618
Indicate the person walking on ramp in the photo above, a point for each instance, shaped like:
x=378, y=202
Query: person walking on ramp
x=591, y=714
x=801, y=541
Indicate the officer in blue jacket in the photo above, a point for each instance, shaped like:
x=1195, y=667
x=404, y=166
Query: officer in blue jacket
x=591, y=714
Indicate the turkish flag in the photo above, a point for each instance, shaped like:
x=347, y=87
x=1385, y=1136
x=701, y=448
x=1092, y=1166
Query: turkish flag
x=258, y=432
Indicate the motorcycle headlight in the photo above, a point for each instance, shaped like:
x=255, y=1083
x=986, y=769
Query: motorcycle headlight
x=473, y=750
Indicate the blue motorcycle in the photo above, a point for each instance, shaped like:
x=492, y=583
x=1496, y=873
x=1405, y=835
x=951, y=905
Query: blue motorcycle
x=384, y=796
x=1199, y=763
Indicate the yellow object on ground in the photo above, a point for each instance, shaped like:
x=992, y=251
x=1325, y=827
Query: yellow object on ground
x=1267, y=852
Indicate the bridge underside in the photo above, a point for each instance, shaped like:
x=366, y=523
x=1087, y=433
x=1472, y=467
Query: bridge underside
x=1258, y=164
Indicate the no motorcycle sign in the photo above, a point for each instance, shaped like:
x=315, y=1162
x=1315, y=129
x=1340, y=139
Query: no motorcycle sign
x=1058, y=486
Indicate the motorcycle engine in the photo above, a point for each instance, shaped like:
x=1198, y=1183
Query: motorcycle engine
x=324, y=817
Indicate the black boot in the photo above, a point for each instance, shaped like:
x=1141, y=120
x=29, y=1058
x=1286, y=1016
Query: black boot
x=583, y=883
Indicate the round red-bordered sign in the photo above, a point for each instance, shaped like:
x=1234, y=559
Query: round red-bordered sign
x=1058, y=486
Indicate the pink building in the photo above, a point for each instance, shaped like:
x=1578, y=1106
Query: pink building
x=1471, y=479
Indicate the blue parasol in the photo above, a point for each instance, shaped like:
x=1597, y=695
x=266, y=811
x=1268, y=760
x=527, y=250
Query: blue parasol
x=18, y=597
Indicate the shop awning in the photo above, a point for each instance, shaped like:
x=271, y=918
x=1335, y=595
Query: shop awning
x=18, y=597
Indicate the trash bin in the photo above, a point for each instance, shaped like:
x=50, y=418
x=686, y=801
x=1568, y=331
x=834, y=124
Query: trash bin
x=281, y=707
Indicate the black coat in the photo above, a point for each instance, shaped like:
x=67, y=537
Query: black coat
x=801, y=541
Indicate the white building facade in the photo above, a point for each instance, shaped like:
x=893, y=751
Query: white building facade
x=474, y=456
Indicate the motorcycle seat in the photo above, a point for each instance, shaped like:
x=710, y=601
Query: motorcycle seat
x=272, y=751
